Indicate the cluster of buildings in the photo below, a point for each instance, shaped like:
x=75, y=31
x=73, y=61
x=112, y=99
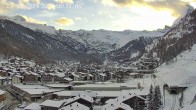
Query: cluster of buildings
x=85, y=102
x=18, y=70
x=73, y=87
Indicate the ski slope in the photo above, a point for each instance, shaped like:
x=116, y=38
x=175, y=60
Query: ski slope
x=180, y=72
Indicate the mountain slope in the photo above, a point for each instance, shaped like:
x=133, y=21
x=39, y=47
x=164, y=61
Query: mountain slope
x=80, y=45
x=42, y=44
x=180, y=38
x=131, y=51
x=179, y=73
x=105, y=41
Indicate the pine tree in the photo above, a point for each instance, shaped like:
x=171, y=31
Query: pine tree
x=150, y=99
x=157, y=98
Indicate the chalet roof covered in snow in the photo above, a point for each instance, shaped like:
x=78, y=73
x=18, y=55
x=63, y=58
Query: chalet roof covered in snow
x=121, y=99
x=80, y=96
x=75, y=106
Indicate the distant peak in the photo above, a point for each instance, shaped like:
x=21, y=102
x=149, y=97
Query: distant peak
x=189, y=9
x=19, y=18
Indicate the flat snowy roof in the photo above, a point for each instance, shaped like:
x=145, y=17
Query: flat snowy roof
x=35, y=89
x=102, y=93
x=52, y=103
x=33, y=106
x=58, y=85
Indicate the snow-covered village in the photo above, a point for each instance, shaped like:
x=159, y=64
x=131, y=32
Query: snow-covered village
x=97, y=55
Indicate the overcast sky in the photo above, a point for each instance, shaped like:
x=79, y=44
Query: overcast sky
x=98, y=14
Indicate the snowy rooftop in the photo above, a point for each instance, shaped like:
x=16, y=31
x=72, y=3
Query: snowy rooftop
x=75, y=75
x=52, y=103
x=21, y=86
x=108, y=85
x=19, y=76
x=75, y=106
x=80, y=96
x=101, y=74
x=33, y=106
x=123, y=98
x=35, y=89
x=32, y=73
x=117, y=106
x=101, y=93
x=82, y=73
x=68, y=79
x=2, y=77
x=58, y=85
x=2, y=92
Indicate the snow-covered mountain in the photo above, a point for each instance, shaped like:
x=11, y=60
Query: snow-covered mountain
x=180, y=38
x=105, y=41
x=35, y=27
x=95, y=43
x=18, y=40
x=189, y=9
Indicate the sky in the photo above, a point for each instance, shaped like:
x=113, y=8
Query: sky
x=114, y=15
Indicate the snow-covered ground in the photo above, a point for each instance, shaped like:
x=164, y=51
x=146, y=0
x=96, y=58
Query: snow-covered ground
x=181, y=72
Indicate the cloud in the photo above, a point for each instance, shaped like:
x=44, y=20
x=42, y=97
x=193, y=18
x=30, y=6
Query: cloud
x=32, y=20
x=78, y=18
x=36, y=1
x=64, y=1
x=8, y=6
x=175, y=6
x=150, y=20
x=24, y=1
x=30, y=1
x=64, y=21
x=51, y=6
x=47, y=13
x=83, y=19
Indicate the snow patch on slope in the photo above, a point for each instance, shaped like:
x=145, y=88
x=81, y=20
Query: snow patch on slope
x=109, y=40
x=183, y=69
x=181, y=73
